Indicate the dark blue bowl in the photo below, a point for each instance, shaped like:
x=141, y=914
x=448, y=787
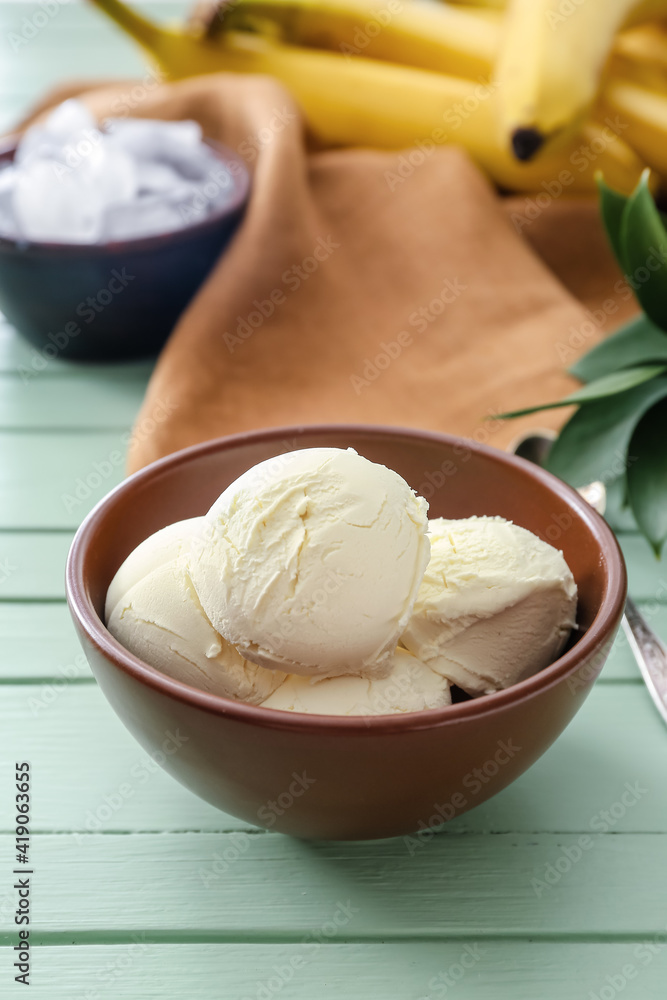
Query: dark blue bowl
x=116, y=300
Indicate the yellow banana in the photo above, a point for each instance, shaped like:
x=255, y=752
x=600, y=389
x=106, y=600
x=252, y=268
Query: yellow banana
x=550, y=63
x=425, y=36
x=361, y=102
x=647, y=42
x=440, y=37
x=444, y=38
x=641, y=55
x=482, y=5
x=643, y=114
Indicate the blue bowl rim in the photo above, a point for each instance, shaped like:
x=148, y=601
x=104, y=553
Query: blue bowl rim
x=240, y=177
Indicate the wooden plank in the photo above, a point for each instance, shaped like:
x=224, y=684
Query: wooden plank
x=647, y=575
x=30, y=654
x=21, y=359
x=32, y=564
x=77, y=37
x=81, y=400
x=82, y=755
x=275, y=887
x=15, y=351
x=621, y=664
x=73, y=24
x=38, y=643
x=483, y=970
x=51, y=481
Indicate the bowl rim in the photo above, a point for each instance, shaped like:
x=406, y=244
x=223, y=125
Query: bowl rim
x=597, y=638
x=241, y=182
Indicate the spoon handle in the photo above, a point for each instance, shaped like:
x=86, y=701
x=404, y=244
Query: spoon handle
x=650, y=653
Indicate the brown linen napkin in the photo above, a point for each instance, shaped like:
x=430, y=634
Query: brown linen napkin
x=391, y=288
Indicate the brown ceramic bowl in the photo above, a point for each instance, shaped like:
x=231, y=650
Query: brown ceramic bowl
x=327, y=776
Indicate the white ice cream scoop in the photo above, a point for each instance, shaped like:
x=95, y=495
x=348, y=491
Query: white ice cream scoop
x=153, y=610
x=311, y=562
x=496, y=604
x=159, y=548
x=410, y=686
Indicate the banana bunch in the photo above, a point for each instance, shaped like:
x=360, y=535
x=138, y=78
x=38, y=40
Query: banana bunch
x=537, y=91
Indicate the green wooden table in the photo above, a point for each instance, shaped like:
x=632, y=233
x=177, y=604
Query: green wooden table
x=132, y=897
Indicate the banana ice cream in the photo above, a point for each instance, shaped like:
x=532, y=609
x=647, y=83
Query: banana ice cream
x=316, y=584
x=153, y=610
x=311, y=562
x=496, y=604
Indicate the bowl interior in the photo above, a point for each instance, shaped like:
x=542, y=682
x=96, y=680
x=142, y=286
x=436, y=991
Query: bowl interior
x=458, y=478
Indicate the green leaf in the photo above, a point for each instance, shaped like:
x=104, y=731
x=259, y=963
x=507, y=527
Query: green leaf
x=608, y=385
x=636, y=343
x=612, y=206
x=618, y=515
x=593, y=444
x=644, y=248
x=647, y=475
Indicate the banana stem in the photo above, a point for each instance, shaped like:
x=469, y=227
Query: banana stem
x=143, y=30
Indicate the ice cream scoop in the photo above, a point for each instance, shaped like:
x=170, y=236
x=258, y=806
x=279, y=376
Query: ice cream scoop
x=410, y=686
x=496, y=604
x=161, y=547
x=153, y=610
x=311, y=561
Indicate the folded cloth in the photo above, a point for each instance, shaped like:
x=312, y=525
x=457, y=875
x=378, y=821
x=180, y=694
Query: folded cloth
x=365, y=286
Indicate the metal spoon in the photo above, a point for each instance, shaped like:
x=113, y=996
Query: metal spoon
x=649, y=650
